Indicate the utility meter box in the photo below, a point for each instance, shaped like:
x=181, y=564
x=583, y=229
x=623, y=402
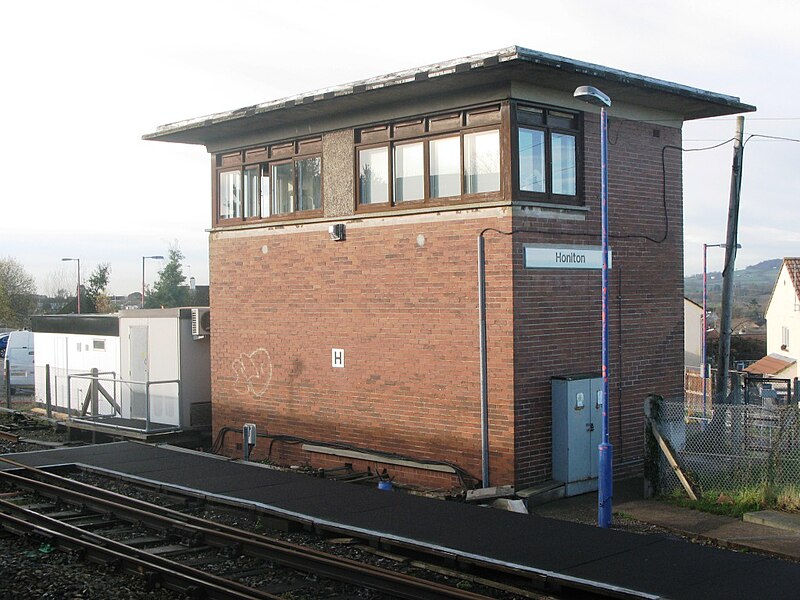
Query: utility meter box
x=577, y=416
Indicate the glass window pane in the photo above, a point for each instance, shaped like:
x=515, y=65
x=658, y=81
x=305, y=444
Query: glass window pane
x=282, y=189
x=409, y=172
x=309, y=184
x=445, y=167
x=482, y=162
x=251, y=176
x=373, y=168
x=531, y=160
x=265, y=191
x=229, y=195
x=563, y=147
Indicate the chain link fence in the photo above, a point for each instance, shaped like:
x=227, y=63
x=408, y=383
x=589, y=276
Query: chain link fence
x=752, y=441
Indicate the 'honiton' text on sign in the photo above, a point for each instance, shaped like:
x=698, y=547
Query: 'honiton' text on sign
x=543, y=256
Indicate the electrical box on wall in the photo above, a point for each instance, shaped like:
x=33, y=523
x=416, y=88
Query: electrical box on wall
x=337, y=232
x=577, y=415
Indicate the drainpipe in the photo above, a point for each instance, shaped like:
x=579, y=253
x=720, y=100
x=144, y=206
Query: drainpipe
x=484, y=385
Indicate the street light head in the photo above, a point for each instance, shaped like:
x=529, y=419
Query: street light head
x=738, y=246
x=69, y=259
x=592, y=95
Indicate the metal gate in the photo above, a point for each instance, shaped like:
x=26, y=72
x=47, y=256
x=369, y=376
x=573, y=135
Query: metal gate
x=767, y=391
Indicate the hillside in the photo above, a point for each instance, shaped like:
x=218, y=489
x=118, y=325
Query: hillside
x=752, y=287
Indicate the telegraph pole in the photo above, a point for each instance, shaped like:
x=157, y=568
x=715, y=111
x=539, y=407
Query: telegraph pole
x=724, y=355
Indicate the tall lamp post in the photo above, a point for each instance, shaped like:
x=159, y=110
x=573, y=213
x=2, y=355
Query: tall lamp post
x=143, y=280
x=704, y=361
x=78, y=260
x=595, y=97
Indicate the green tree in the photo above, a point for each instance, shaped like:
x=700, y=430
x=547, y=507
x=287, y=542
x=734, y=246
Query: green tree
x=169, y=290
x=96, y=294
x=94, y=298
x=17, y=293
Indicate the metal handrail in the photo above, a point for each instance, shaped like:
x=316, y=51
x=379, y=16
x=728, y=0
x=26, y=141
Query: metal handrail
x=147, y=385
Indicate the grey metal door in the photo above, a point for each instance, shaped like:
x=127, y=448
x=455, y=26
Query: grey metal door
x=140, y=371
x=577, y=415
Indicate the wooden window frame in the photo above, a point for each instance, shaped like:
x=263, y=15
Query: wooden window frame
x=218, y=204
x=271, y=166
x=265, y=157
x=390, y=170
x=501, y=158
x=547, y=196
x=459, y=131
x=426, y=182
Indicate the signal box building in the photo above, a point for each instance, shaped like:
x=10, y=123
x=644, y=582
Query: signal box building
x=344, y=262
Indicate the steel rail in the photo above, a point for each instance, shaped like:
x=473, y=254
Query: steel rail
x=174, y=575
x=8, y=436
x=251, y=544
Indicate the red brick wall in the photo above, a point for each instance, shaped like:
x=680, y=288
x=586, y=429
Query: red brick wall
x=407, y=319
x=557, y=312
x=406, y=316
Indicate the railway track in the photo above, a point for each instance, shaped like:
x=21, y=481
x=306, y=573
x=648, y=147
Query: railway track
x=176, y=550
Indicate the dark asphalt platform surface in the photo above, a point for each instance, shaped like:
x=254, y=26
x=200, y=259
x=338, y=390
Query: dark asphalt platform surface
x=647, y=566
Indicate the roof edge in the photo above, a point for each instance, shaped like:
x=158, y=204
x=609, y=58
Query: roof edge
x=456, y=65
x=628, y=77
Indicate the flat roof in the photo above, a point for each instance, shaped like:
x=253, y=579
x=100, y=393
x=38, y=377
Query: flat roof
x=507, y=64
x=90, y=324
x=182, y=312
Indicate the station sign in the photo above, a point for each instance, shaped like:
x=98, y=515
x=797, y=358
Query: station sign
x=549, y=256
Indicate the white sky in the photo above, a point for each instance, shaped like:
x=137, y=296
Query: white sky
x=82, y=81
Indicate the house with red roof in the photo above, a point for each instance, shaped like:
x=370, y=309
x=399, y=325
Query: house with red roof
x=783, y=325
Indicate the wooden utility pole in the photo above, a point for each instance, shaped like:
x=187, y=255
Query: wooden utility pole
x=724, y=356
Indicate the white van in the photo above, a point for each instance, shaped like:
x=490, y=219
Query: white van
x=19, y=354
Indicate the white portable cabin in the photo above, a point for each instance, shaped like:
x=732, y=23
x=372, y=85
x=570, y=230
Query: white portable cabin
x=165, y=366
x=73, y=345
x=153, y=369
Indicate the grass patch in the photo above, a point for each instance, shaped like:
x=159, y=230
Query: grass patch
x=730, y=504
x=788, y=499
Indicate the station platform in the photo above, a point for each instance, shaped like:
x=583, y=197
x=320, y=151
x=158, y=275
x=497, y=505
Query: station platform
x=579, y=556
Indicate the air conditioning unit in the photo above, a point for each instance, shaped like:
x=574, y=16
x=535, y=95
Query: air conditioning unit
x=201, y=322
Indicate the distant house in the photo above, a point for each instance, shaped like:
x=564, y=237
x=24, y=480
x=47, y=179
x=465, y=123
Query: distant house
x=783, y=325
x=692, y=334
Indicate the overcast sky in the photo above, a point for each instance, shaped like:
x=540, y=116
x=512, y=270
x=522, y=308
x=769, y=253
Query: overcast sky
x=83, y=81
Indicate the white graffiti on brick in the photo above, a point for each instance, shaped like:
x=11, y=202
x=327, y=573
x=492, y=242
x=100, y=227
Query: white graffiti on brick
x=253, y=372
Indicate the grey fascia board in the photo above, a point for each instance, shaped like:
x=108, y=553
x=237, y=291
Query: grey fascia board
x=628, y=78
x=458, y=65
x=381, y=81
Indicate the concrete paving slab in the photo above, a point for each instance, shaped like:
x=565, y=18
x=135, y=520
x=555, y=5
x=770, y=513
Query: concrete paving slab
x=773, y=518
x=727, y=531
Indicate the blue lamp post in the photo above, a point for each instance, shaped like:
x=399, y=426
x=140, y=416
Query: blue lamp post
x=594, y=96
